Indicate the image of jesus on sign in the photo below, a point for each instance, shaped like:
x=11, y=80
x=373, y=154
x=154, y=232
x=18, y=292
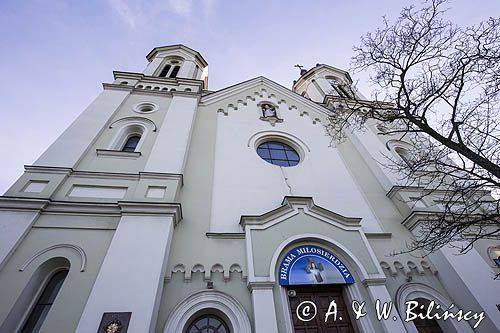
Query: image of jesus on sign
x=315, y=269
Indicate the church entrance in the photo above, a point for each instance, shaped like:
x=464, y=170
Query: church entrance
x=321, y=296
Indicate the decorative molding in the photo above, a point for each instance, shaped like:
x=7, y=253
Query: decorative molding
x=135, y=119
x=378, y=235
x=226, y=235
x=48, y=169
x=277, y=90
x=409, y=269
x=35, y=186
x=115, y=86
x=373, y=281
x=133, y=155
x=139, y=107
x=104, y=175
x=252, y=285
x=97, y=191
x=393, y=144
x=272, y=120
x=17, y=203
x=417, y=216
x=76, y=248
x=261, y=136
x=293, y=204
x=189, y=307
x=93, y=208
x=200, y=268
x=151, y=208
x=178, y=47
x=82, y=208
x=397, y=188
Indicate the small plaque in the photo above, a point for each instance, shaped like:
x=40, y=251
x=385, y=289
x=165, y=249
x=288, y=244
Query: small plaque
x=114, y=322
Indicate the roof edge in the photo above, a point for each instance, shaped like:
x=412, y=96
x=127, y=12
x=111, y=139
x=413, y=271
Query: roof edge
x=158, y=49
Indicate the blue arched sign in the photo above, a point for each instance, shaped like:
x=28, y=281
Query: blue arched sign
x=309, y=264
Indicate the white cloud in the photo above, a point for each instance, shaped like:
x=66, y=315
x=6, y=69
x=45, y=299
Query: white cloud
x=181, y=7
x=126, y=13
x=137, y=12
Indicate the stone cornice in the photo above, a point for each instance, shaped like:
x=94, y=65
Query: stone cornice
x=355, y=102
x=396, y=188
x=155, y=79
x=378, y=235
x=189, y=50
x=226, y=235
x=115, y=86
x=252, y=285
x=149, y=208
x=132, y=90
x=118, y=153
x=24, y=204
x=418, y=215
x=47, y=169
x=103, y=175
x=376, y=281
x=92, y=208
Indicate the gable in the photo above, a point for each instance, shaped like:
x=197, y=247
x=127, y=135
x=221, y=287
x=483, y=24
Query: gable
x=232, y=98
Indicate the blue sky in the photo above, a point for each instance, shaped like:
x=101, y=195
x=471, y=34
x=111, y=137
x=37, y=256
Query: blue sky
x=55, y=54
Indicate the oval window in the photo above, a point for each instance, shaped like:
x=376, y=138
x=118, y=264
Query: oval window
x=278, y=153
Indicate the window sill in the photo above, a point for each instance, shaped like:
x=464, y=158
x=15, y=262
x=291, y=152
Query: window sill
x=118, y=154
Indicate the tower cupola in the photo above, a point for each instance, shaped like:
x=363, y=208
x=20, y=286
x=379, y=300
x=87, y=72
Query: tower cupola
x=321, y=81
x=177, y=61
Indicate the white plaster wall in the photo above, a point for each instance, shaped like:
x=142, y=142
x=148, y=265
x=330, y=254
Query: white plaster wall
x=375, y=155
x=244, y=184
x=170, y=150
x=67, y=150
x=13, y=227
x=476, y=276
x=131, y=276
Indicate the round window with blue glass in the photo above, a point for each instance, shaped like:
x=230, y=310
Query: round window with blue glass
x=278, y=153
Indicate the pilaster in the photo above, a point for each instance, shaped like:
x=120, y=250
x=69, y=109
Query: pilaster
x=264, y=311
x=172, y=143
x=132, y=273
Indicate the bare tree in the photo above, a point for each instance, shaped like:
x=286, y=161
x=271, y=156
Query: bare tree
x=438, y=88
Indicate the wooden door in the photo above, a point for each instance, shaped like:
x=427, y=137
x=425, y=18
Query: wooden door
x=321, y=296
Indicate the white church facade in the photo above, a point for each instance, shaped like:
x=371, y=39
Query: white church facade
x=166, y=207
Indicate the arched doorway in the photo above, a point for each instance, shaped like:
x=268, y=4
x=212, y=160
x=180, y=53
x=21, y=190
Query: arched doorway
x=315, y=280
x=425, y=325
x=208, y=323
x=424, y=294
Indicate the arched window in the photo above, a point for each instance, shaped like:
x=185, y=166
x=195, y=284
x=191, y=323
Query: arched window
x=425, y=325
x=208, y=323
x=44, y=303
x=175, y=71
x=165, y=71
x=339, y=88
x=404, y=154
x=131, y=143
x=494, y=254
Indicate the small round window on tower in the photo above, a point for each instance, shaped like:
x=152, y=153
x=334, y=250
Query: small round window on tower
x=278, y=153
x=145, y=107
